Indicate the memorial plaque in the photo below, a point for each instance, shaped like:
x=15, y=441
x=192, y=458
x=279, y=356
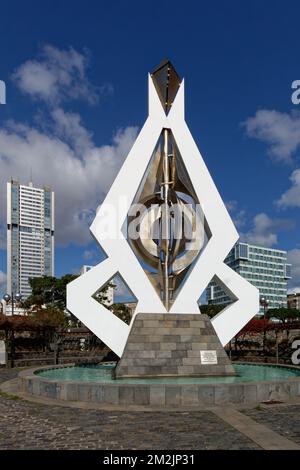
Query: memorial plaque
x=208, y=357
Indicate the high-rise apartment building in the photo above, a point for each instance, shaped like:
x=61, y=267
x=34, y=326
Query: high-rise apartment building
x=30, y=235
x=266, y=268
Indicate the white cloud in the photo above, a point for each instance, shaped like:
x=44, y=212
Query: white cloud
x=294, y=290
x=59, y=149
x=238, y=215
x=264, y=230
x=294, y=259
x=88, y=254
x=66, y=159
x=68, y=128
x=291, y=197
x=281, y=131
x=58, y=75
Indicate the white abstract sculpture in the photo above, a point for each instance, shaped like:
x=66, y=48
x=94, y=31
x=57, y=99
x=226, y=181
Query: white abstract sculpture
x=122, y=260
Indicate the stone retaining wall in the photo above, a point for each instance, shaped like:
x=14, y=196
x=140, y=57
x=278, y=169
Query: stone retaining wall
x=158, y=394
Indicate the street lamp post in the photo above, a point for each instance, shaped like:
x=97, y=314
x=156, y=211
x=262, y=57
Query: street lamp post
x=10, y=340
x=264, y=303
x=13, y=297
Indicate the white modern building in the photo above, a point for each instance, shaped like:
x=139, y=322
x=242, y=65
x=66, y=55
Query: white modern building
x=30, y=235
x=6, y=309
x=84, y=269
x=293, y=300
x=265, y=268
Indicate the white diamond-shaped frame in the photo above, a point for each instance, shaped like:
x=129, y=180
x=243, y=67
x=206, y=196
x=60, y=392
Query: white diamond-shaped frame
x=121, y=259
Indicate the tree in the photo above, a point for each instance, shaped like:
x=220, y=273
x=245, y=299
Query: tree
x=211, y=309
x=121, y=311
x=40, y=287
x=283, y=314
x=43, y=321
x=50, y=318
x=254, y=326
x=60, y=290
x=46, y=318
x=102, y=295
x=48, y=290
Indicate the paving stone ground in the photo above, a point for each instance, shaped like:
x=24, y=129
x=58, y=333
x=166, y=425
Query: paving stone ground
x=28, y=425
x=283, y=419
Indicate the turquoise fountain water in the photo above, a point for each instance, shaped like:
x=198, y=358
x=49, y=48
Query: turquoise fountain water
x=102, y=373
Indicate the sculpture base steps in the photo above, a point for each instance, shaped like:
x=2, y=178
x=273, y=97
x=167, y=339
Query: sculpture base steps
x=173, y=345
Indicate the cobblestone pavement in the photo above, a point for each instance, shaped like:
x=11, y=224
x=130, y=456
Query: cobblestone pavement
x=285, y=420
x=8, y=374
x=27, y=425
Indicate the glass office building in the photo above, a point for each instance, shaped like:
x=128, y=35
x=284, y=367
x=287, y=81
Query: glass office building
x=30, y=235
x=266, y=268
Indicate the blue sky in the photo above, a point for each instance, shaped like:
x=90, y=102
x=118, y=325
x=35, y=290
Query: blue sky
x=76, y=77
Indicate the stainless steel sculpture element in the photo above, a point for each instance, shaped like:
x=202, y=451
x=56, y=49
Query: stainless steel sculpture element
x=167, y=82
x=171, y=222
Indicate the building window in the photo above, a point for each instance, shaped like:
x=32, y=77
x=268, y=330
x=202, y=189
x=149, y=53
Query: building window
x=288, y=271
x=242, y=251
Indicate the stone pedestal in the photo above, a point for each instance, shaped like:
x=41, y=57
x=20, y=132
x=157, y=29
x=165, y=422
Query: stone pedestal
x=173, y=345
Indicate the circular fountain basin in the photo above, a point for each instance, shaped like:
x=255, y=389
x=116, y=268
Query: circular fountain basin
x=94, y=383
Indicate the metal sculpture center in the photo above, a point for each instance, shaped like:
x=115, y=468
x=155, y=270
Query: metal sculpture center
x=170, y=232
